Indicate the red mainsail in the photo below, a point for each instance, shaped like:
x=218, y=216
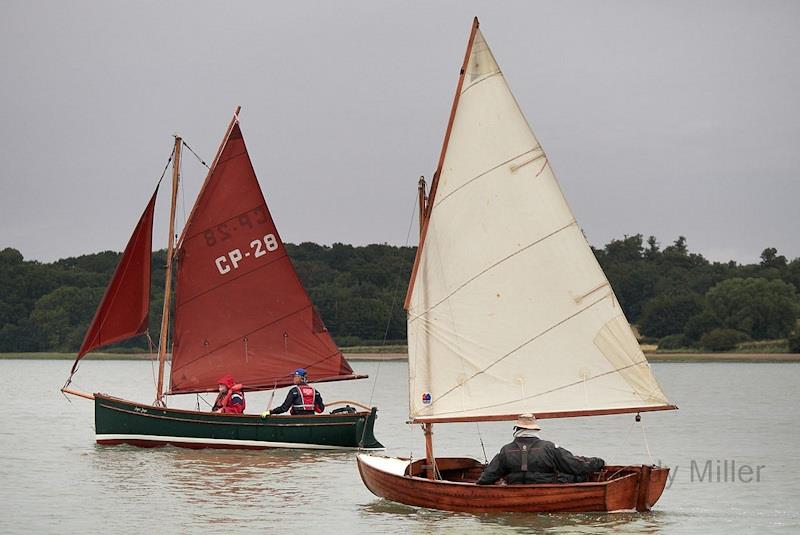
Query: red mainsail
x=239, y=307
x=125, y=308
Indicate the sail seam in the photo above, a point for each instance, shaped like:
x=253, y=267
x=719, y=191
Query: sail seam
x=525, y=343
x=225, y=344
x=485, y=77
x=516, y=167
x=235, y=216
x=616, y=370
x=229, y=281
x=484, y=271
x=471, y=180
x=231, y=157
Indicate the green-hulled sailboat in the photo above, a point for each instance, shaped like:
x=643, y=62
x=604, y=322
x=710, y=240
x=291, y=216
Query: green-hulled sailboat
x=239, y=309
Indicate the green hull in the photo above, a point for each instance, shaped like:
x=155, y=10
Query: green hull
x=118, y=421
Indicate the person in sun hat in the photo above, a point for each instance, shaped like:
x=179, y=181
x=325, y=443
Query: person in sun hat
x=301, y=399
x=230, y=399
x=529, y=459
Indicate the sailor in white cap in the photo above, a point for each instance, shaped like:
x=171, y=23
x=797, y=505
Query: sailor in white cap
x=529, y=459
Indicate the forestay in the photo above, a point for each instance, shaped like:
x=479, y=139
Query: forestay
x=509, y=311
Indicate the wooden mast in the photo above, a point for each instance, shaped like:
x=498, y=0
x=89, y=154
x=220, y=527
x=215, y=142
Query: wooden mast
x=424, y=216
x=162, y=346
x=435, y=182
x=430, y=460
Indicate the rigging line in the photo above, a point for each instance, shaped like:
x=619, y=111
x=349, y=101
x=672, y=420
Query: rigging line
x=523, y=344
x=476, y=177
x=164, y=172
x=150, y=346
x=183, y=196
x=485, y=458
x=489, y=268
x=646, y=444
x=627, y=436
x=195, y=154
x=272, y=396
x=394, y=301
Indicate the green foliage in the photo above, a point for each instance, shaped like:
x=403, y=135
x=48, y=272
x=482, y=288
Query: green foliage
x=794, y=342
x=63, y=315
x=673, y=341
x=700, y=324
x=668, y=313
x=759, y=307
x=722, y=339
x=359, y=293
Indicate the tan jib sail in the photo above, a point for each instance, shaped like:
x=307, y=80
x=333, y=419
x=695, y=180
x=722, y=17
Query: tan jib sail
x=508, y=310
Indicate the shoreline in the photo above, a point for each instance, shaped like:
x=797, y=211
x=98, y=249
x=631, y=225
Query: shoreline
x=383, y=356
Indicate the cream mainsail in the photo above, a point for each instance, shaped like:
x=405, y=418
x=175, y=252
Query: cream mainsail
x=508, y=309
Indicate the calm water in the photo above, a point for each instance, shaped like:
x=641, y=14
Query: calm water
x=55, y=479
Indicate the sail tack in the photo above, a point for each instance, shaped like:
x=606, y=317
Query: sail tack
x=240, y=307
x=124, y=309
x=509, y=311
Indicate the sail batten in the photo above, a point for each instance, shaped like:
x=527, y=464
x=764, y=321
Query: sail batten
x=240, y=308
x=508, y=310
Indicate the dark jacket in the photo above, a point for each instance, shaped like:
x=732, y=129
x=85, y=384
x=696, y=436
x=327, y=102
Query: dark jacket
x=295, y=398
x=533, y=460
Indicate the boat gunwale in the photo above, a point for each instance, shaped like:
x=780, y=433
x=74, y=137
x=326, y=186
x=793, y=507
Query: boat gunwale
x=425, y=480
x=100, y=396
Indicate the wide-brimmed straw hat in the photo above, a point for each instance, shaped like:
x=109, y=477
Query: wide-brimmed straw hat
x=527, y=421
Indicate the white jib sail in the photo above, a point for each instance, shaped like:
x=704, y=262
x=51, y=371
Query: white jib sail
x=510, y=312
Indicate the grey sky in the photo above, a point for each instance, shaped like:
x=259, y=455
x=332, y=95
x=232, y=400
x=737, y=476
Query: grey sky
x=662, y=118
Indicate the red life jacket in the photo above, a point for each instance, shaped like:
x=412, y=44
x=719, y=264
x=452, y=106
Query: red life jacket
x=226, y=405
x=306, y=401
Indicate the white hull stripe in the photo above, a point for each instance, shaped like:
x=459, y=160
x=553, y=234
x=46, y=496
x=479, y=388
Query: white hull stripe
x=227, y=442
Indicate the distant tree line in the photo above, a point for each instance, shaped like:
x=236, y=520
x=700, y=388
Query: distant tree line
x=677, y=298
x=48, y=306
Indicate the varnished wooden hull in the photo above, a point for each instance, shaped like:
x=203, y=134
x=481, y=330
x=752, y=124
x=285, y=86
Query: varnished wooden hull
x=118, y=421
x=617, y=488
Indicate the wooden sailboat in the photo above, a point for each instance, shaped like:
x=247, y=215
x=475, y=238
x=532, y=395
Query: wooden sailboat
x=239, y=309
x=509, y=313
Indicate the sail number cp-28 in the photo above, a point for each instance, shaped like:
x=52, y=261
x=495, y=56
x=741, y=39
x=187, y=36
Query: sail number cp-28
x=258, y=248
x=223, y=232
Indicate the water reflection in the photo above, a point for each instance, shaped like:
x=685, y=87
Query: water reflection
x=629, y=522
x=213, y=483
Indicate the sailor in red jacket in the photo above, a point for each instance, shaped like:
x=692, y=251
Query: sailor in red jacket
x=301, y=399
x=230, y=399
